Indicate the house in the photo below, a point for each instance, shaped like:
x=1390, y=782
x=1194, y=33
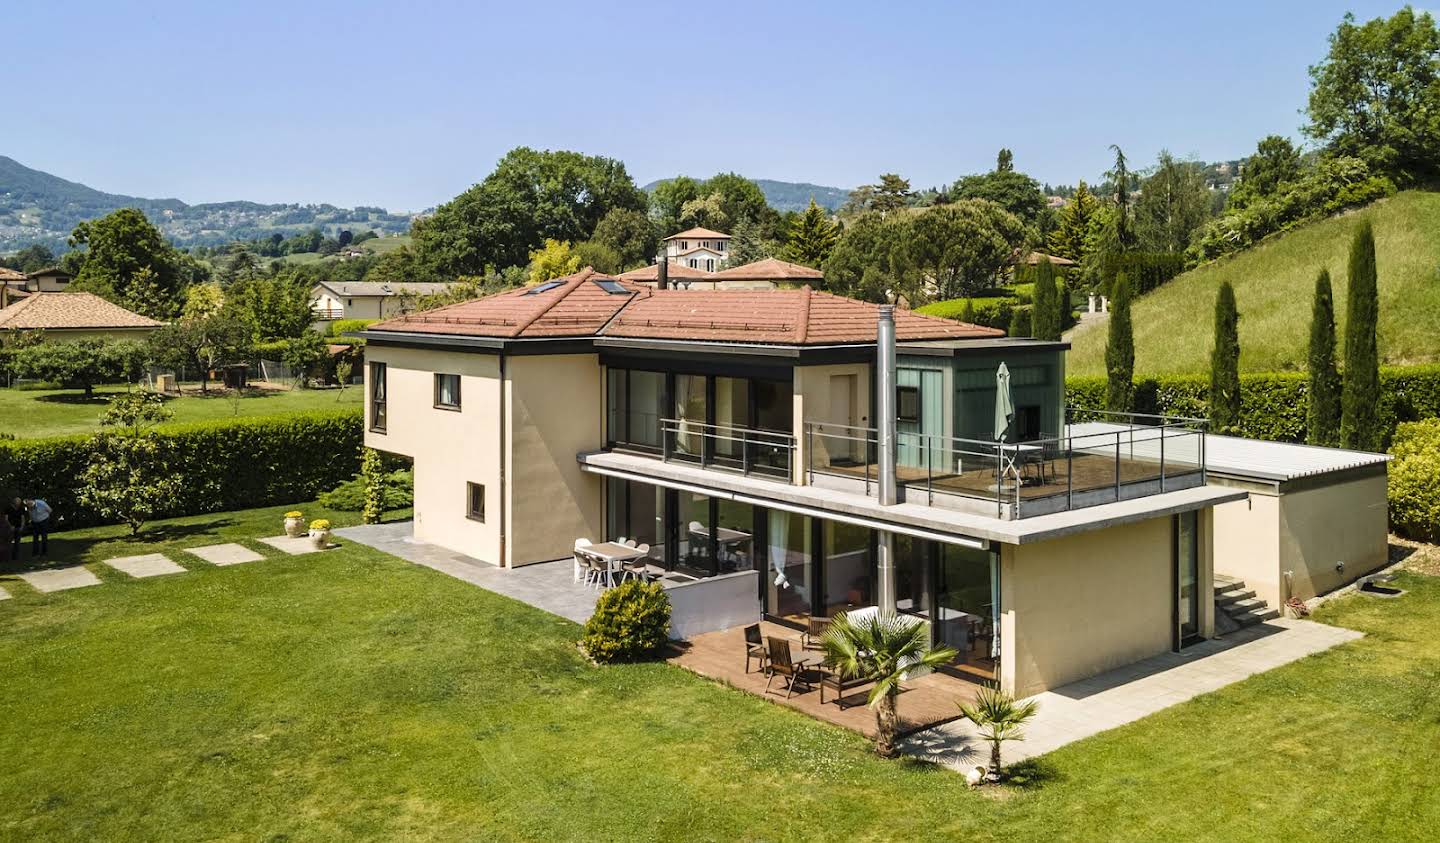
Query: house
x=332, y=300
x=64, y=317
x=50, y=280
x=12, y=286
x=698, y=248
x=789, y=454
x=767, y=273
x=678, y=276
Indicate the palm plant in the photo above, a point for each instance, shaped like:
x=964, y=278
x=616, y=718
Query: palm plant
x=883, y=648
x=999, y=718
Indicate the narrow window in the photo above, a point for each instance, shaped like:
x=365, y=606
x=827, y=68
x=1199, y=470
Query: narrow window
x=907, y=404
x=475, y=502
x=447, y=392
x=377, y=397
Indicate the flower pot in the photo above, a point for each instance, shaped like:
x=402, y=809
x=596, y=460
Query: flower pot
x=320, y=538
x=294, y=527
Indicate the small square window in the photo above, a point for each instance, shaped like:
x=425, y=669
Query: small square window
x=447, y=391
x=907, y=404
x=475, y=502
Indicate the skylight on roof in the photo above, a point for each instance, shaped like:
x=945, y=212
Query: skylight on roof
x=612, y=286
x=543, y=288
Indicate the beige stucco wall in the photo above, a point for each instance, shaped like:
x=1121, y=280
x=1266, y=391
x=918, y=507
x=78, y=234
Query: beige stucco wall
x=812, y=404
x=1084, y=604
x=557, y=410
x=450, y=448
x=1247, y=541
x=1338, y=522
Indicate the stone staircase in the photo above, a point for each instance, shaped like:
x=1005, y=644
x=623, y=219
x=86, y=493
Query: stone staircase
x=1236, y=605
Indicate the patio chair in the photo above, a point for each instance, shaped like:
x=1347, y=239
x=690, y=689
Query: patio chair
x=581, y=565
x=628, y=542
x=814, y=631
x=599, y=571
x=778, y=653
x=636, y=568
x=754, y=647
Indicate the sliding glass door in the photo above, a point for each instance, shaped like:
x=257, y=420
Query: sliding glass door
x=955, y=589
x=1187, y=576
x=790, y=572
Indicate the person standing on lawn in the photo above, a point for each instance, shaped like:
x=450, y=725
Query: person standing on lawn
x=15, y=517
x=37, y=512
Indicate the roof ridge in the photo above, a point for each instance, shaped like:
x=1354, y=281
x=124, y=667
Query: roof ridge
x=575, y=281
x=802, y=329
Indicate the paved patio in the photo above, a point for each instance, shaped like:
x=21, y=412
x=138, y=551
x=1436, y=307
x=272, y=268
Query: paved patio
x=1081, y=709
x=549, y=585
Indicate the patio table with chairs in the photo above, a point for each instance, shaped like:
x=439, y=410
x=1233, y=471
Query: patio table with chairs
x=606, y=564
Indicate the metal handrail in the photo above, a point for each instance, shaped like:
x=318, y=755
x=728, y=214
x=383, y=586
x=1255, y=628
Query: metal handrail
x=750, y=440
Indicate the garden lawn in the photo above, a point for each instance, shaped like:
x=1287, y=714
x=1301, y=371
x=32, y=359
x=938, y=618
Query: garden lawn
x=34, y=413
x=349, y=694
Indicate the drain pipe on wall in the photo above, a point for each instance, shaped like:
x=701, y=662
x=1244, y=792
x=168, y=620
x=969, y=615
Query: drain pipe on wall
x=885, y=409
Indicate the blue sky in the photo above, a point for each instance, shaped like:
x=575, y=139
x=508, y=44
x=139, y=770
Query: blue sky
x=404, y=104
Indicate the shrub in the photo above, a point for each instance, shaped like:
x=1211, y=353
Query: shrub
x=341, y=326
x=631, y=622
x=1414, y=487
x=1146, y=270
x=398, y=492
x=233, y=463
x=269, y=350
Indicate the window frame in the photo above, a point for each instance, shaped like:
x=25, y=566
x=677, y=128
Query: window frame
x=471, y=513
x=379, y=421
x=912, y=393
x=440, y=405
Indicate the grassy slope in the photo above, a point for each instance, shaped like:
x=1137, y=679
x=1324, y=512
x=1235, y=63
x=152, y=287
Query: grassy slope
x=1274, y=283
x=31, y=414
x=352, y=695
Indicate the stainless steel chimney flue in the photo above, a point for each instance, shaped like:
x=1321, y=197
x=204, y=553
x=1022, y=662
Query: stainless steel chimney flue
x=885, y=596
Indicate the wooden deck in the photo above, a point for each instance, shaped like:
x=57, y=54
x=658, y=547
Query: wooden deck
x=926, y=701
x=1082, y=472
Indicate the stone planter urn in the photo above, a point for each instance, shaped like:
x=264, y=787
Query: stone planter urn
x=294, y=525
x=320, y=533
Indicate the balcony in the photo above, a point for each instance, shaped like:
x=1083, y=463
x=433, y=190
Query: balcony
x=723, y=447
x=1101, y=458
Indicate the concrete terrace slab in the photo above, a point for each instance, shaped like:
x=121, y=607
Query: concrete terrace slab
x=146, y=565
x=549, y=586
x=1081, y=709
x=294, y=547
x=60, y=579
x=229, y=553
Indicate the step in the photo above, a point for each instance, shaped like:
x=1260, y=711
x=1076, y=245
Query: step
x=1246, y=604
x=1226, y=598
x=1252, y=618
x=1226, y=579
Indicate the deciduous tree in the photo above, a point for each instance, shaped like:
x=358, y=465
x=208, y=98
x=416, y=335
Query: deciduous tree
x=125, y=259
x=553, y=260
x=127, y=477
x=1174, y=202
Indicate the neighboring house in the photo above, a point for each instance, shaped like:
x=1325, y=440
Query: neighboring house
x=71, y=316
x=679, y=277
x=768, y=273
x=739, y=435
x=698, y=248
x=366, y=299
x=51, y=280
x=12, y=286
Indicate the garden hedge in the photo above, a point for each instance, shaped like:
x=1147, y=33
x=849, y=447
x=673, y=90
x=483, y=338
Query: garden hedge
x=229, y=464
x=1273, y=405
x=1414, y=488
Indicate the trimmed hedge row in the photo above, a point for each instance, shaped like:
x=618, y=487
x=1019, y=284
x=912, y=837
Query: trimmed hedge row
x=231, y=464
x=1146, y=270
x=1415, y=480
x=1273, y=405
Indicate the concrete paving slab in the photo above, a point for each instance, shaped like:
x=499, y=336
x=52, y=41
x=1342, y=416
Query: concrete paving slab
x=229, y=553
x=145, y=565
x=294, y=546
x=60, y=579
x=4, y=595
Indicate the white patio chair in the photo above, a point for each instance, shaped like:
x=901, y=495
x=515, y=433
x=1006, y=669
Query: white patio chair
x=637, y=567
x=628, y=542
x=581, y=568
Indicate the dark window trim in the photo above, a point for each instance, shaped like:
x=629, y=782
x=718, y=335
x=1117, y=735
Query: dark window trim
x=378, y=375
x=470, y=511
x=454, y=408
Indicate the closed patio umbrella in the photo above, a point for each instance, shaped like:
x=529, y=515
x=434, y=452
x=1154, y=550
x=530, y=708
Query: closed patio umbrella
x=1004, y=403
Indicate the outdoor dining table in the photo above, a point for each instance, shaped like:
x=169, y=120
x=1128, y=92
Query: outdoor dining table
x=1025, y=455
x=614, y=554
x=725, y=538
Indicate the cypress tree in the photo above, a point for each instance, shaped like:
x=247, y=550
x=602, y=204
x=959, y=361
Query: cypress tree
x=1043, y=320
x=1322, y=419
x=1020, y=322
x=967, y=313
x=1120, y=349
x=1360, y=391
x=1062, y=306
x=1225, y=363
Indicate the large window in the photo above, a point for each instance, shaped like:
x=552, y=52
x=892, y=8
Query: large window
x=1187, y=561
x=636, y=511
x=955, y=588
x=849, y=568
x=690, y=415
x=790, y=575
x=377, y=397
x=447, y=392
x=636, y=404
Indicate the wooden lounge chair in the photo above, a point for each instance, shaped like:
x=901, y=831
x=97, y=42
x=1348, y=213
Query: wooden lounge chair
x=814, y=631
x=778, y=651
x=754, y=646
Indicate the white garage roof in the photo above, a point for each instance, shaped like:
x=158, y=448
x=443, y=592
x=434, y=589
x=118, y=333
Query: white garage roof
x=1232, y=456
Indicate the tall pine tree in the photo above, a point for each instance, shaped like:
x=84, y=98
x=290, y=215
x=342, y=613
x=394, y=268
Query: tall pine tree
x=1045, y=320
x=1120, y=349
x=1225, y=363
x=1360, y=393
x=1068, y=238
x=812, y=237
x=1322, y=419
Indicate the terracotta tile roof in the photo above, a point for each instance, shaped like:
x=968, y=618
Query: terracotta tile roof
x=649, y=274
x=573, y=306
x=697, y=249
x=376, y=288
x=769, y=269
x=70, y=310
x=1035, y=257
x=702, y=233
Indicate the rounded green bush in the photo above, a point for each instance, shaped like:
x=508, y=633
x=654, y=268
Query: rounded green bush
x=631, y=622
x=1414, y=486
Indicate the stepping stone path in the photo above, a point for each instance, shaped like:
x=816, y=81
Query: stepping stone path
x=294, y=547
x=60, y=579
x=229, y=553
x=4, y=595
x=147, y=565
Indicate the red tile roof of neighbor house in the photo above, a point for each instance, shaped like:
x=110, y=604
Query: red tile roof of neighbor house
x=70, y=310
x=702, y=233
x=578, y=306
x=649, y=274
x=769, y=269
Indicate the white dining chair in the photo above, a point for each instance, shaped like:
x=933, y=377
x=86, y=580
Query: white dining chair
x=636, y=568
x=581, y=568
x=628, y=542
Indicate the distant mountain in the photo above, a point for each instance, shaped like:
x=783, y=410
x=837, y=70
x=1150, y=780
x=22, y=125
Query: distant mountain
x=37, y=207
x=790, y=195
